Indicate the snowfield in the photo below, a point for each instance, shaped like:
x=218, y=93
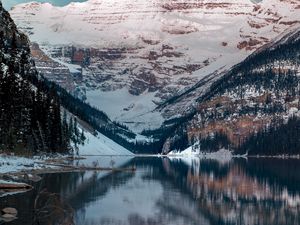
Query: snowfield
x=102, y=146
x=134, y=111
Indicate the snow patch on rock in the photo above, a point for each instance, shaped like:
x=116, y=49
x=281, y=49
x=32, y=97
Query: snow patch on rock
x=223, y=155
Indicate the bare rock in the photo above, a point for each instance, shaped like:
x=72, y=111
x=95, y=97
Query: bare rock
x=9, y=211
x=7, y=218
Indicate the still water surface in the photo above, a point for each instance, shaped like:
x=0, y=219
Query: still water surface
x=170, y=192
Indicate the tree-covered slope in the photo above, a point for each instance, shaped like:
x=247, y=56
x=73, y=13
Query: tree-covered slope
x=30, y=116
x=32, y=108
x=249, y=105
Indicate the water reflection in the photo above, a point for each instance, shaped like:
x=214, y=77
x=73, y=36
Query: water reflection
x=177, y=192
x=257, y=191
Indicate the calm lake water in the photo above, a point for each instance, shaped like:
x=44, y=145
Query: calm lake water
x=165, y=191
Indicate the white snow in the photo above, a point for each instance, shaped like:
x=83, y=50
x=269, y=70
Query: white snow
x=94, y=146
x=16, y=163
x=133, y=111
x=101, y=145
x=223, y=155
x=198, y=33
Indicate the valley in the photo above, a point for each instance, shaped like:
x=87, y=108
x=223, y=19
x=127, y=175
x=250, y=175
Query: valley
x=148, y=51
x=150, y=112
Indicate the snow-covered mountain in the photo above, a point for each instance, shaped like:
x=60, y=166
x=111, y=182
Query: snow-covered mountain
x=133, y=56
x=31, y=114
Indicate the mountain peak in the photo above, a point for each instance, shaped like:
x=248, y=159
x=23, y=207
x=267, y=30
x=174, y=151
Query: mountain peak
x=152, y=51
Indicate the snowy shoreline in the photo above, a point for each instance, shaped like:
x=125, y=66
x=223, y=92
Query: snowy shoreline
x=10, y=164
x=224, y=154
x=14, y=164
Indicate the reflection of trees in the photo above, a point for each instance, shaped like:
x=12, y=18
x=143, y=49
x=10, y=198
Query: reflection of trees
x=180, y=207
x=50, y=209
x=175, y=206
x=235, y=197
x=168, y=211
x=279, y=174
x=257, y=191
x=79, y=191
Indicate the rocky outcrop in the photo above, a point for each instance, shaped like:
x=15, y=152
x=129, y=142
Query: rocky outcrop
x=53, y=70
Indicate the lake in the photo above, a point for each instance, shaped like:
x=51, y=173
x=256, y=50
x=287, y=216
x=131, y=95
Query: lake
x=167, y=191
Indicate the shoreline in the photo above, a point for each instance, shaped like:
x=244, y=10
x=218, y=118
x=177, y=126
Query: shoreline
x=21, y=165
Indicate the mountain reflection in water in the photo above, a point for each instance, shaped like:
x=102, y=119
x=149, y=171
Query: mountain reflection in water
x=176, y=191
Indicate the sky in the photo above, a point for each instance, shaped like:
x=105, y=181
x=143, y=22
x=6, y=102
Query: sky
x=10, y=3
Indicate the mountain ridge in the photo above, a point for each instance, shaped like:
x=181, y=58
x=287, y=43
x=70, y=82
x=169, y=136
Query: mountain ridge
x=166, y=47
x=255, y=101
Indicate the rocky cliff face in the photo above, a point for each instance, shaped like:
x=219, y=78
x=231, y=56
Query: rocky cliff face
x=135, y=57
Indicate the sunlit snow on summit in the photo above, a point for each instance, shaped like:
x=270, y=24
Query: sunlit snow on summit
x=10, y=3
